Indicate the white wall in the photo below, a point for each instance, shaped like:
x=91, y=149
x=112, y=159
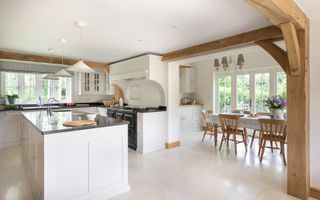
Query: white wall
x=144, y=93
x=150, y=93
x=315, y=102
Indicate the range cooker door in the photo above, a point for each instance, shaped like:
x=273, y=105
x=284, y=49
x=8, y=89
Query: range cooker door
x=111, y=113
x=119, y=115
x=131, y=119
x=132, y=139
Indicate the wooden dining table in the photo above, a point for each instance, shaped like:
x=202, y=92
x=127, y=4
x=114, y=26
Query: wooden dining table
x=245, y=121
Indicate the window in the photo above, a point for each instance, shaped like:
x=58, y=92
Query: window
x=243, y=92
x=11, y=83
x=281, y=84
x=30, y=86
x=224, y=93
x=262, y=91
x=249, y=89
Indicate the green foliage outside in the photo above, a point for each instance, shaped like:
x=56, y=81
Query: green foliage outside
x=225, y=93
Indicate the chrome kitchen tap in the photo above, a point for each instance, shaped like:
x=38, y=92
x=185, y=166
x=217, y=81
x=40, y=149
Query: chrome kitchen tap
x=49, y=105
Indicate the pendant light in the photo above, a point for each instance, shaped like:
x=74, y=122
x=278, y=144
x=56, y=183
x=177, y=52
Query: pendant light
x=50, y=76
x=80, y=66
x=62, y=72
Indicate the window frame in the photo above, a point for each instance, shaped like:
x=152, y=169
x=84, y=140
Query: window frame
x=273, y=70
x=54, y=91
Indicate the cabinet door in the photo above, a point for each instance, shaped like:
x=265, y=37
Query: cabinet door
x=197, y=119
x=187, y=80
x=186, y=120
x=10, y=129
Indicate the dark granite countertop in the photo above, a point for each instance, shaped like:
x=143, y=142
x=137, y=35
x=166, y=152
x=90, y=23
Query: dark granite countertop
x=44, y=124
x=28, y=107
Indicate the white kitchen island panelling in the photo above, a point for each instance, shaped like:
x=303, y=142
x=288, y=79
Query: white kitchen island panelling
x=80, y=164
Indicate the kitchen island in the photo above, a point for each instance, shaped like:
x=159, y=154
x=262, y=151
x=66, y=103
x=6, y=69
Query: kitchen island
x=89, y=162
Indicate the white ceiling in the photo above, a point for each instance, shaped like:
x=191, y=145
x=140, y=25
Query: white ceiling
x=117, y=29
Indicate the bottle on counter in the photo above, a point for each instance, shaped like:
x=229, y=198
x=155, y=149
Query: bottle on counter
x=120, y=101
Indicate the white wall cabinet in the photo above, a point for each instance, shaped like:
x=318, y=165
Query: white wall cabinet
x=10, y=133
x=190, y=119
x=187, y=80
x=92, y=83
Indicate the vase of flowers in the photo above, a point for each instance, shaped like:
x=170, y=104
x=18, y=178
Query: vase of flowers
x=276, y=106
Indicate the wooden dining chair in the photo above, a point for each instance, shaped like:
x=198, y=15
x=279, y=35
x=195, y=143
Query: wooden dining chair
x=254, y=134
x=229, y=125
x=273, y=130
x=209, y=128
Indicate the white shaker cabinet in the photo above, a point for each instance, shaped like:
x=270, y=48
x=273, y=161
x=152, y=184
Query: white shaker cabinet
x=190, y=119
x=10, y=134
x=92, y=83
x=187, y=80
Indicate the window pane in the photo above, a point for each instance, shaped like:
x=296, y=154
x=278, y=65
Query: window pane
x=46, y=89
x=243, y=92
x=262, y=91
x=29, y=87
x=63, y=89
x=11, y=83
x=282, y=84
x=225, y=93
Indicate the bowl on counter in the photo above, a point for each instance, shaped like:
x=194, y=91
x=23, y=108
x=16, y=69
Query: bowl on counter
x=107, y=103
x=91, y=116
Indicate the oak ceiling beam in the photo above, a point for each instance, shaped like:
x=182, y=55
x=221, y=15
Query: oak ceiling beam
x=291, y=40
x=281, y=11
x=276, y=52
x=271, y=32
x=48, y=59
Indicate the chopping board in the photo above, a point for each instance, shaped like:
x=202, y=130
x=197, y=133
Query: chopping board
x=79, y=123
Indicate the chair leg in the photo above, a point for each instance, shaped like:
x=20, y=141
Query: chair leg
x=283, y=154
x=253, y=136
x=271, y=144
x=222, y=139
x=263, y=148
x=235, y=143
x=244, y=138
x=205, y=132
x=215, y=134
x=228, y=137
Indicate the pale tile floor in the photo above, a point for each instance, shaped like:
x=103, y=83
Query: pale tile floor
x=195, y=171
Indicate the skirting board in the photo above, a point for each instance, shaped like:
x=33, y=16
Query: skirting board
x=315, y=193
x=172, y=145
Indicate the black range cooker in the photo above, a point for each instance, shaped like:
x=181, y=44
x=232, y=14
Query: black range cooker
x=129, y=113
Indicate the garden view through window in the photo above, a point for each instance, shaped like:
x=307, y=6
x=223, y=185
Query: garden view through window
x=30, y=86
x=252, y=89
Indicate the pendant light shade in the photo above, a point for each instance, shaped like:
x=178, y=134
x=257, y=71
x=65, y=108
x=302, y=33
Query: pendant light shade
x=62, y=73
x=80, y=66
x=50, y=77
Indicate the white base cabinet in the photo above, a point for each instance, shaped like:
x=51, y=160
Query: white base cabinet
x=10, y=134
x=190, y=119
x=78, y=165
x=151, y=131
